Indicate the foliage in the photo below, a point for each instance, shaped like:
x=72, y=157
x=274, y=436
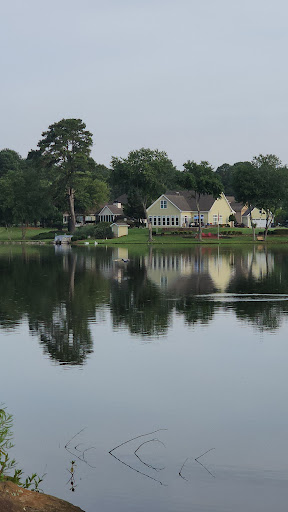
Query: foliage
x=246, y=185
x=134, y=208
x=24, y=197
x=272, y=186
x=46, y=235
x=6, y=463
x=9, y=161
x=99, y=171
x=90, y=193
x=201, y=180
x=98, y=231
x=225, y=173
x=65, y=148
x=143, y=175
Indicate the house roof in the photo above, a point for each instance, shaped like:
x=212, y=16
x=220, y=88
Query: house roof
x=123, y=199
x=237, y=207
x=185, y=201
x=119, y=223
x=113, y=209
x=248, y=211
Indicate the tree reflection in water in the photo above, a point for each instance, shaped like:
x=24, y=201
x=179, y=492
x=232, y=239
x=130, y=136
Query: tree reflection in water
x=62, y=293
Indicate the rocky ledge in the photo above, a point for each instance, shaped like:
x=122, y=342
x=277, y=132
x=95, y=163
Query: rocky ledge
x=15, y=499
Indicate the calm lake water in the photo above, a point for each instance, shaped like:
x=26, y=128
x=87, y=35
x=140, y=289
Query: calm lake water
x=163, y=377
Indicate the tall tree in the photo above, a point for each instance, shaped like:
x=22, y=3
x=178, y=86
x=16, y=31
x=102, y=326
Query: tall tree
x=10, y=160
x=201, y=180
x=91, y=193
x=144, y=175
x=272, y=186
x=25, y=197
x=246, y=182
x=66, y=146
x=225, y=173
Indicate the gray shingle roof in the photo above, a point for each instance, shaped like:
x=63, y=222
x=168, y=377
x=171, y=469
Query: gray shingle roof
x=113, y=209
x=237, y=207
x=185, y=201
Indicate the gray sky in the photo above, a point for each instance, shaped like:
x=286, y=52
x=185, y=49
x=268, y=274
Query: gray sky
x=200, y=79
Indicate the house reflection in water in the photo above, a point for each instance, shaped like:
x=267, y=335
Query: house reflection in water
x=205, y=270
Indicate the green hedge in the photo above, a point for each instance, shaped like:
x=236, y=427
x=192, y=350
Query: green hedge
x=99, y=231
x=48, y=235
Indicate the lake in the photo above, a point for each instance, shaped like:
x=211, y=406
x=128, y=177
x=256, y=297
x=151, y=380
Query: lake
x=158, y=375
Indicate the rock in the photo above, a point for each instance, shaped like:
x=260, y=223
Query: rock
x=16, y=499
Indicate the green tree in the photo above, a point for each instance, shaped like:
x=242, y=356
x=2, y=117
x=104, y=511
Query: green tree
x=66, y=147
x=246, y=182
x=24, y=198
x=201, y=180
x=272, y=186
x=10, y=160
x=225, y=173
x=91, y=193
x=144, y=175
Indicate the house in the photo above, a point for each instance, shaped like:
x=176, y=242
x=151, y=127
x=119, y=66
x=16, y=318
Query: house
x=119, y=228
x=239, y=208
x=80, y=218
x=258, y=218
x=112, y=211
x=242, y=214
x=179, y=209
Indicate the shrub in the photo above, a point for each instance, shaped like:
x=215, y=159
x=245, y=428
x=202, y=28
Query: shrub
x=49, y=235
x=8, y=468
x=283, y=232
x=100, y=231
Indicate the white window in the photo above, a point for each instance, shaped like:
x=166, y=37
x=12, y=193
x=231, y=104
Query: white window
x=150, y=219
x=154, y=221
x=177, y=221
x=163, y=220
x=168, y=221
x=159, y=221
x=163, y=203
x=216, y=220
x=172, y=221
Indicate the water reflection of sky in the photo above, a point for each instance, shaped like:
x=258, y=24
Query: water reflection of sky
x=209, y=368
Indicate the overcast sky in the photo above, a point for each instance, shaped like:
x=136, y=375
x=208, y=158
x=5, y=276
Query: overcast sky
x=200, y=79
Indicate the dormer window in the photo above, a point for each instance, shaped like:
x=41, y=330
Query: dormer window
x=163, y=203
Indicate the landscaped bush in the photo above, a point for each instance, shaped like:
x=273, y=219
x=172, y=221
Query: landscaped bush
x=99, y=231
x=49, y=235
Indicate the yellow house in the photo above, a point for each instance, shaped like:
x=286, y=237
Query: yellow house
x=258, y=218
x=178, y=209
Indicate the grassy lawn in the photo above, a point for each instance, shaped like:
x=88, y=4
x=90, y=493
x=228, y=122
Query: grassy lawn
x=140, y=236
x=15, y=234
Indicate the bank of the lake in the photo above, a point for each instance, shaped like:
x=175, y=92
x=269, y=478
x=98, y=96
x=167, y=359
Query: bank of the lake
x=227, y=236
x=16, y=499
x=140, y=236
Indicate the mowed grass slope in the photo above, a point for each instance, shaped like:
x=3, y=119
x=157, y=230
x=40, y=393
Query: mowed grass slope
x=15, y=233
x=140, y=236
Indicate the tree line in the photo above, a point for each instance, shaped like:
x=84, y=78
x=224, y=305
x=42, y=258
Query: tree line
x=60, y=175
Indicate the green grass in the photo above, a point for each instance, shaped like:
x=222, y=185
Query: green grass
x=15, y=234
x=140, y=236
